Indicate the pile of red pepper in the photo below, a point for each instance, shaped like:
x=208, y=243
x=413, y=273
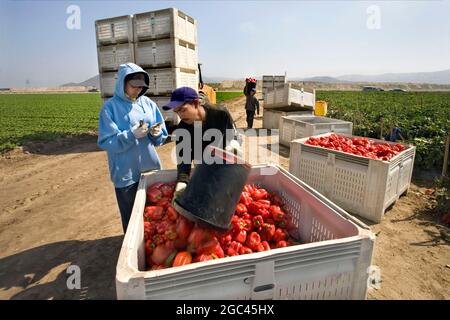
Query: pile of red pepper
x=359, y=146
x=260, y=223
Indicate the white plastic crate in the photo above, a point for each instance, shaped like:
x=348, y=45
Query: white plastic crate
x=360, y=185
x=173, y=53
x=170, y=117
x=114, y=30
x=166, y=23
x=285, y=96
x=108, y=83
x=271, y=117
x=295, y=127
x=165, y=80
x=332, y=262
x=112, y=56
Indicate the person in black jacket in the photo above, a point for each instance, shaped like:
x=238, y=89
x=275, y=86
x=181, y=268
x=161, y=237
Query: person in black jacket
x=186, y=103
x=251, y=105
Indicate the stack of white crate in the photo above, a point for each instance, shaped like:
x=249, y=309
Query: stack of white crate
x=114, y=47
x=164, y=44
x=270, y=82
x=283, y=100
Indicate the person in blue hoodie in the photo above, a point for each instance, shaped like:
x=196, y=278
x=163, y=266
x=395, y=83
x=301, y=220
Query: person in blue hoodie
x=130, y=126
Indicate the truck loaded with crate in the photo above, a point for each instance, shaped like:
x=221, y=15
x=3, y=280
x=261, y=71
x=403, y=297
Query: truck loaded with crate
x=163, y=43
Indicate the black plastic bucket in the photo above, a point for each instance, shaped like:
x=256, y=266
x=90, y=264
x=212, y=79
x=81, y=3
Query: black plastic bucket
x=213, y=192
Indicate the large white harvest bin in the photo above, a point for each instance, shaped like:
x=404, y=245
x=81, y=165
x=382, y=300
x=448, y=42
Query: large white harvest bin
x=165, y=80
x=108, y=83
x=169, y=116
x=295, y=127
x=166, y=23
x=332, y=262
x=271, y=117
x=174, y=53
x=111, y=57
x=114, y=30
x=286, y=96
x=360, y=185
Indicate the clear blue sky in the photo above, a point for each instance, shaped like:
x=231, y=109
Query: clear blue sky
x=236, y=38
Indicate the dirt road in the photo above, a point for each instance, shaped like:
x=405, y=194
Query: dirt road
x=58, y=209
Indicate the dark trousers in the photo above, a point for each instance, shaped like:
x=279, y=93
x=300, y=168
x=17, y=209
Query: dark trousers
x=250, y=116
x=125, y=199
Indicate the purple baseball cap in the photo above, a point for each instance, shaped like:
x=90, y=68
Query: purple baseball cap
x=181, y=96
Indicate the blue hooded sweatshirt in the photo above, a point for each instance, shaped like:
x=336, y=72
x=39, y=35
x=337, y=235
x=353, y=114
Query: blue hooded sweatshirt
x=128, y=156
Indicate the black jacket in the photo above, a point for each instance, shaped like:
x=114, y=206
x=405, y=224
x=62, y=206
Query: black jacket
x=217, y=117
x=251, y=103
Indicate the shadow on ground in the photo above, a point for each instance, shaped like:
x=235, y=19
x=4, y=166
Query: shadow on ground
x=41, y=272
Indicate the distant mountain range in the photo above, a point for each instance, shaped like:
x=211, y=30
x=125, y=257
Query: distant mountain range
x=435, y=77
x=91, y=82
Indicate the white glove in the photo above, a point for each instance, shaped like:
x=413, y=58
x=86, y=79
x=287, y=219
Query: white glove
x=155, y=130
x=139, y=131
x=179, y=189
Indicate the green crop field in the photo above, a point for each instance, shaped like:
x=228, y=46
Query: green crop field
x=423, y=117
x=26, y=117
x=44, y=117
x=222, y=96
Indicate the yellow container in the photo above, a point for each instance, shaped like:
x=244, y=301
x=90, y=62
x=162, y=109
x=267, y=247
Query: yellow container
x=320, y=108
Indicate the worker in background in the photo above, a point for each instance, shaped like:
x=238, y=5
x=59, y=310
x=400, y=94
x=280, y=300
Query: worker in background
x=130, y=126
x=393, y=135
x=251, y=105
x=186, y=103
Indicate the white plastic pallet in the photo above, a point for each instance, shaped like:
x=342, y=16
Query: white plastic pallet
x=112, y=56
x=332, y=262
x=166, y=23
x=360, y=185
x=285, y=96
x=174, y=53
x=295, y=127
x=108, y=83
x=169, y=116
x=165, y=80
x=114, y=30
x=271, y=117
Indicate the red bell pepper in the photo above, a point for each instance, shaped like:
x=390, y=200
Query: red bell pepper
x=182, y=258
x=241, y=209
x=258, y=221
x=234, y=248
x=253, y=240
x=265, y=245
x=153, y=213
x=154, y=195
x=267, y=232
x=260, y=194
x=281, y=244
x=184, y=227
x=246, y=198
x=167, y=190
x=240, y=236
x=245, y=250
x=279, y=235
x=277, y=213
x=172, y=214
